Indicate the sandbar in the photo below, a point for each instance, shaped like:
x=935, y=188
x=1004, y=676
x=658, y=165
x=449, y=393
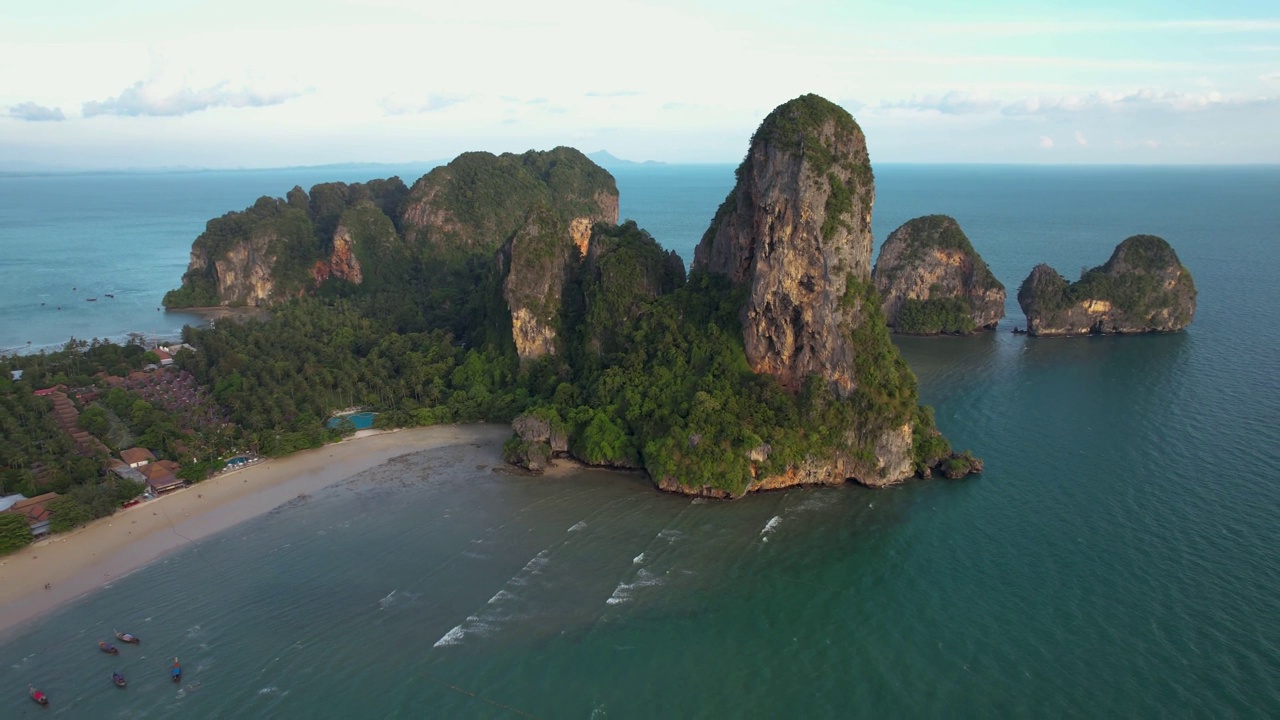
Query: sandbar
x=61, y=568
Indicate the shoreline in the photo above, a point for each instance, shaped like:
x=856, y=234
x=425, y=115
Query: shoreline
x=218, y=312
x=79, y=562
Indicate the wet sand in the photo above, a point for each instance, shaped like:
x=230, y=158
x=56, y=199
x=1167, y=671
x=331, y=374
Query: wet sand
x=72, y=564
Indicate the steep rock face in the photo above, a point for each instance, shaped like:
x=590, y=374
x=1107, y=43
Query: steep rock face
x=796, y=233
x=427, y=237
x=281, y=248
x=534, y=264
x=1142, y=288
x=933, y=281
x=795, y=229
x=244, y=272
x=342, y=263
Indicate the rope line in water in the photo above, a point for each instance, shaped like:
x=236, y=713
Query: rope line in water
x=481, y=698
x=193, y=544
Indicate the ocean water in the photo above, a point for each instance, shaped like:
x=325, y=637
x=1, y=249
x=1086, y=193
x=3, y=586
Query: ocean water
x=1118, y=558
x=65, y=238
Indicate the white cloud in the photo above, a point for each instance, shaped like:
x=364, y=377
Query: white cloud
x=1139, y=100
x=952, y=103
x=35, y=113
x=433, y=103
x=1151, y=143
x=1046, y=142
x=149, y=97
x=612, y=93
x=1081, y=140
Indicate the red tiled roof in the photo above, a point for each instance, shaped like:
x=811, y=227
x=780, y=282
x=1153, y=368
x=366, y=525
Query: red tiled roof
x=163, y=481
x=169, y=465
x=34, y=508
x=154, y=471
x=136, y=455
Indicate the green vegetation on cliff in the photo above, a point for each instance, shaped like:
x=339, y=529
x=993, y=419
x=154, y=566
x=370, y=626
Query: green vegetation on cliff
x=797, y=126
x=935, y=316
x=1142, y=277
x=662, y=380
x=431, y=244
x=938, y=232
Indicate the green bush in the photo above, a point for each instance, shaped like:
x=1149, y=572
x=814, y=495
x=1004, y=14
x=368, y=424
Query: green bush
x=15, y=533
x=68, y=513
x=935, y=316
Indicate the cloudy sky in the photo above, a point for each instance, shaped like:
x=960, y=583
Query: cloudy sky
x=262, y=83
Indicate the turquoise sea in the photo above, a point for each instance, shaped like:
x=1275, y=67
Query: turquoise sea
x=1120, y=556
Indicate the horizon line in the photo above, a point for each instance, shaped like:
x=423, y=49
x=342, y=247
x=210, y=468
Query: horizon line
x=630, y=165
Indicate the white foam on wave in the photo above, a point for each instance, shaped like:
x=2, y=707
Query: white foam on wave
x=453, y=637
x=473, y=625
x=578, y=526
x=487, y=620
x=625, y=590
x=500, y=596
x=770, y=526
x=670, y=535
x=637, y=559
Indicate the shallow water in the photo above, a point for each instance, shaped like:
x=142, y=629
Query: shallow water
x=1117, y=558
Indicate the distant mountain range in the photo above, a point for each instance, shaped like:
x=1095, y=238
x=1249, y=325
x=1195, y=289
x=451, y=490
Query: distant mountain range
x=607, y=160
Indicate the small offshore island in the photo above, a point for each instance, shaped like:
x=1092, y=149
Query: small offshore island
x=1143, y=288
x=501, y=289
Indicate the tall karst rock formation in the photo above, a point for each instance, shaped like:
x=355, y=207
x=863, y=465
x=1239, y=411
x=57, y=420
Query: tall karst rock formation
x=796, y=232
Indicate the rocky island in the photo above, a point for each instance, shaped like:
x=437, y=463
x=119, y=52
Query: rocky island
x=501, y=289
x=386, y=235
x=933, y=282
x=771, y=366
x=1143, y=288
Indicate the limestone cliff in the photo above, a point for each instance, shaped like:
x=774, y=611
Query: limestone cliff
x=796, y=229
x=534, y=264
x=342, y=263
x=532, y=212
x=244, y=271
x=795, y=233
x=1142, y=288
x=280, y=248
x=933, y=281
x=426, y=253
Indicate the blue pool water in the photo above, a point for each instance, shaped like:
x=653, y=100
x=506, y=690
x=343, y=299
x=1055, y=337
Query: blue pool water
x=362, y=421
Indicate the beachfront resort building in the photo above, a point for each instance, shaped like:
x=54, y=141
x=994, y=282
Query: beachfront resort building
x=38, y=516
x=8, y=501
x=161, y=476
x=136, y=457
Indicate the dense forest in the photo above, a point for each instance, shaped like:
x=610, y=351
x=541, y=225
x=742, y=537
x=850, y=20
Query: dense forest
x=645, y=367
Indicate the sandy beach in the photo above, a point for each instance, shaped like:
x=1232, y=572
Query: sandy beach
x=56, y=570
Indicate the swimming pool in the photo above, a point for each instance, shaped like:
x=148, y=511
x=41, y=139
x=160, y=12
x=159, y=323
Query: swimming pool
x=236, y=462
x=362, y=421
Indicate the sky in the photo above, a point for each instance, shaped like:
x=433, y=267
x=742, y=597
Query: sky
x=270, y=83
